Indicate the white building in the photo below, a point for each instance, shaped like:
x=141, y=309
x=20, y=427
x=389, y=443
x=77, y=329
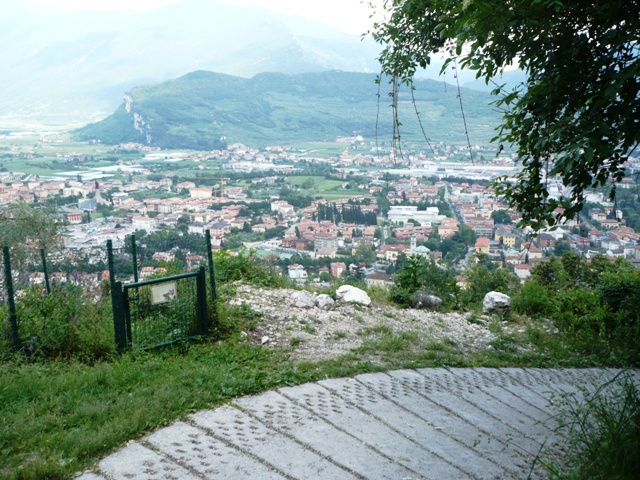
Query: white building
x=403, y=213
x=297, y=273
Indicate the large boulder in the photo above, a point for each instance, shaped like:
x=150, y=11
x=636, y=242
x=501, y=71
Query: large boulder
x=496, y=302
x=304, y=299
x=350, y=294
x=423, y=300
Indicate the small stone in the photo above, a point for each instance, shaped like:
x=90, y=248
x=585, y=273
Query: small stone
x=264, y=340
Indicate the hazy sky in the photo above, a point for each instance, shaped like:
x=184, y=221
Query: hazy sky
x=351, y=16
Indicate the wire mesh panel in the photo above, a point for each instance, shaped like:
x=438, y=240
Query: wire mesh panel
x=165, y=310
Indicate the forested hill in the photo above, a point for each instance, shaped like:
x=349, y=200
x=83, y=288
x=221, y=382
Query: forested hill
x=206, y=110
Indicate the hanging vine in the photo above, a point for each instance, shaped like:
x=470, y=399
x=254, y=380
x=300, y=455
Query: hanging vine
x=415, y=106
x=464, y=118
x=396, y=147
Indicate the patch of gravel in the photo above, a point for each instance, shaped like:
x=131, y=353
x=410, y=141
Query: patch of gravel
x=316, y=333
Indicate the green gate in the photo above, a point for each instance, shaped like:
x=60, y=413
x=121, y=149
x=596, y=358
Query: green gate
x=159, y=312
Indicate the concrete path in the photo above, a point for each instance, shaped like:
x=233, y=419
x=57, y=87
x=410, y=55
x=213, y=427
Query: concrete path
x=408, y=424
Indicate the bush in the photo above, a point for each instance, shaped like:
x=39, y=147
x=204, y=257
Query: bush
x=594, y=303
x=620, y=292
x=246, y=267
x=481, y=281
x=580, y=314
x=379, y=294
x=6, y=346
x=533, y=300
x=420, y=273
x=62, y=324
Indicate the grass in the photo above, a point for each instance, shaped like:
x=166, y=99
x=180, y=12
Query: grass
x=603, y=433
x=58, y=418
x=320, y=149
x=47, y=152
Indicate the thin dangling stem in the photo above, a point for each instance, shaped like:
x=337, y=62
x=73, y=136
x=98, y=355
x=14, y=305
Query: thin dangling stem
x=464, y=119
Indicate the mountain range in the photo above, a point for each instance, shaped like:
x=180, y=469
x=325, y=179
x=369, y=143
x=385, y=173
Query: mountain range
x=73, y=67
x=205, y=110
x=68, y=68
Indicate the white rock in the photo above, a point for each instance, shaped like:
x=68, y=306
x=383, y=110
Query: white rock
x=495, y=301
x=325, y=300
x=350, y=294
x=264, y=340
x=304, y=299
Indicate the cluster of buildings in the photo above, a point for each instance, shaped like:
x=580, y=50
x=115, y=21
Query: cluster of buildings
x=413, y=216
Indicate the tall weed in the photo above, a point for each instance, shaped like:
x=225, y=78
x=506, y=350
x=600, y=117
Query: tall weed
x=603, y=433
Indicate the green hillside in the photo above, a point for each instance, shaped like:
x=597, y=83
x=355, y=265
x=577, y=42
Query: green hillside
x=204, y=110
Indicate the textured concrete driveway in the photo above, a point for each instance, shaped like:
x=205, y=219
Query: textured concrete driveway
x=407, y=424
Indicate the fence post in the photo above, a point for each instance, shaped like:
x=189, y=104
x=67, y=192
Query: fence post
x=212, y=276
x=13, y=318
x=46, y=271
x=134, y=254
x=203, y=324
x=114, y=295
x=118, y=318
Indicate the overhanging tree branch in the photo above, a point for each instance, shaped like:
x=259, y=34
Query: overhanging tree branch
x=580, y=105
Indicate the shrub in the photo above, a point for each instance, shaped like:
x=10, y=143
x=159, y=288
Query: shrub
x=6, y=345
x=63, y=323
x=481, y=281
x=533, y=300
x=420, y=273
x=578, y=311
x=246, y=267
x=620, y=292
x=379, y=294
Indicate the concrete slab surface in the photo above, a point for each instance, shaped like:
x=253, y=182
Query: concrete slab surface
x=435, y=423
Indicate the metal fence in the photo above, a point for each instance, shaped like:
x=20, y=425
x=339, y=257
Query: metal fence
x=63, y=313
x=160, y=312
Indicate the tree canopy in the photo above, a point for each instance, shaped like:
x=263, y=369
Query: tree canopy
x=24, y=228
x=575, y=120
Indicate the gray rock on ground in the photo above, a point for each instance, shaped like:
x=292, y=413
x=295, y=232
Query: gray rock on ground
x=304, y=299
x=424, y=301
x=324, y=300
x=496, y=302
x=351, y=294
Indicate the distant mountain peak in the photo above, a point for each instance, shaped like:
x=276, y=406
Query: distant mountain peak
x=73, y=66
x=201, y=108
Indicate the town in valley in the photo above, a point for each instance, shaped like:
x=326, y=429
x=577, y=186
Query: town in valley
x=316, y=211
